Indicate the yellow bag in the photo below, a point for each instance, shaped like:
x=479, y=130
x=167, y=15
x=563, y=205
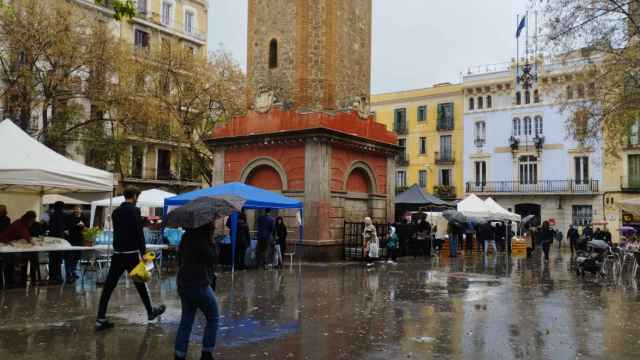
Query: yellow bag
x=142, y=271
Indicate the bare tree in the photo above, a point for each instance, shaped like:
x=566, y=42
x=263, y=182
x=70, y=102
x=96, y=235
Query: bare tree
x=605, y=30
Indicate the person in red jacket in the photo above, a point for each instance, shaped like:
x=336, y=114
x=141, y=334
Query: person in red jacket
x=18, y=230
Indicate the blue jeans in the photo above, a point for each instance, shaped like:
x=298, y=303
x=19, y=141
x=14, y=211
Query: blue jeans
x=193, y=299
x=453, y=245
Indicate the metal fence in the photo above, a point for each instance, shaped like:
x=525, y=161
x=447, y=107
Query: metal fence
x=354, y=243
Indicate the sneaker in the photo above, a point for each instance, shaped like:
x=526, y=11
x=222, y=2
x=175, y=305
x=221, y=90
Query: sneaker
x=369, y=264
x=103, y=324
x=157, y=312
x=207, y=356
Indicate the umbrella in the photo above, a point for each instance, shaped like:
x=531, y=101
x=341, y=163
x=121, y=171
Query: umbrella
x=529, y=220
x=628, y=231
x=203, y=210
x=598, y=244
x=455, y=217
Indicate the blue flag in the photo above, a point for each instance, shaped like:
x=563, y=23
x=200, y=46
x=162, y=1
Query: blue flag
x=521, y=26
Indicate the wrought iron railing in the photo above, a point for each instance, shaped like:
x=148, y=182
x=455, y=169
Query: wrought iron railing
x=445, y=192
x=542, y=186
x=630, y=183
x=402, y=159
x=445, y=158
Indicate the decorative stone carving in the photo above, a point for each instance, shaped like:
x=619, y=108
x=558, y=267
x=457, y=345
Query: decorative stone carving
x=264, y=100
x=359, y=104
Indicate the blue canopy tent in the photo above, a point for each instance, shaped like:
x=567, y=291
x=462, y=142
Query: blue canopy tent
x=255, y=198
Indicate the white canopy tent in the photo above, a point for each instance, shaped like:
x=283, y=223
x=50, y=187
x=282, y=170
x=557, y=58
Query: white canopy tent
x=153, y=198
x=631, y=205
x=500, y=212
x=53, y=198
x=473, y=206
x=29, y=170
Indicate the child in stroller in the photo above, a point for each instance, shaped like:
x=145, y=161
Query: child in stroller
x=593, y=259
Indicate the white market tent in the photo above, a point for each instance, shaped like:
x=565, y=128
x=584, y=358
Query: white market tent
x=473, y=206
x=631, y=206
x=153, y=198
x=53, y=198
x=29, y=170
x=500, y=212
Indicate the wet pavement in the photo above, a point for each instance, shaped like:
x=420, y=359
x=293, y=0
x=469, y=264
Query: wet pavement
x=441, y=308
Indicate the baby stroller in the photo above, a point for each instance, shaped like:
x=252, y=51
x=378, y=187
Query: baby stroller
x=592, y=260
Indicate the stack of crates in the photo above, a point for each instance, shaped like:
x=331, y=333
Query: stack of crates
x=519, y=248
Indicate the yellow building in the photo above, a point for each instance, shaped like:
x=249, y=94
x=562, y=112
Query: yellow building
x=622, y=182
x=429, y=124
x=159, y=24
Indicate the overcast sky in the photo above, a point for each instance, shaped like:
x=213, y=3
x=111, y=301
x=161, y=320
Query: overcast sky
x=416, y=43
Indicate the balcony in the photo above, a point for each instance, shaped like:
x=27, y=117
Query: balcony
x=542, y=187
x=445, y=158
x=402, y=160
x=401, y=189
x=445, y=192
x=444, y=125
x=479, y=142
x=630, y=184
x=401, y=130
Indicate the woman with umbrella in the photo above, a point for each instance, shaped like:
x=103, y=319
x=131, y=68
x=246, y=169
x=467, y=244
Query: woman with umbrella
x=196, y=262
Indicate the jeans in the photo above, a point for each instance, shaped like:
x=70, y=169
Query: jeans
x=192, y=299
x=71, y=259
x=453, y=245
x=491, y=243
x=545, y=248
x=122, y=263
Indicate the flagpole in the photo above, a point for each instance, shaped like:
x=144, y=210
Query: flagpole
x=526, y=20
x=517, y=51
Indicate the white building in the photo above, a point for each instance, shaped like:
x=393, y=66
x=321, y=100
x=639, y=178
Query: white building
x=517, y=149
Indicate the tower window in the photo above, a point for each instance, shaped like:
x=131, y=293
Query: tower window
x=518, y=98
x=489, y=102
x=471, y=103
x=273, y=54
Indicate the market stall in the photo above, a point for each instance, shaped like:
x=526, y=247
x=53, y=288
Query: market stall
x=148, y=199
x=255, y=198
x=29, y=170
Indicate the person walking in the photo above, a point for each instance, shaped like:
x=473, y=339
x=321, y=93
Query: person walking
x=281, y=244
x=393, y=243
x=370, y=241
x=76, y=225
x=128, y=249
x=573, y=236
x=266, y=231
x=243, y=240
x=545, y=238
x=196, y=288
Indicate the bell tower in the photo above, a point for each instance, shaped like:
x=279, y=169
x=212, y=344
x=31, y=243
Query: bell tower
x=309, y=133
x=309, y=55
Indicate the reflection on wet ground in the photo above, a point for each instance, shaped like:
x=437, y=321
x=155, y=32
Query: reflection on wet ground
x=465, y=308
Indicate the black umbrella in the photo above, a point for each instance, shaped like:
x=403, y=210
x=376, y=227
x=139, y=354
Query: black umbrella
x=598, y=244
x=529, y=220
x=203, y=210
x=455, y=217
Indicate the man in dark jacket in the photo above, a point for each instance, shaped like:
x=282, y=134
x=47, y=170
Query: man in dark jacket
x=57, y=228
x=266, y=230
x=128, y=248
x=76, y=224
x=573, y=237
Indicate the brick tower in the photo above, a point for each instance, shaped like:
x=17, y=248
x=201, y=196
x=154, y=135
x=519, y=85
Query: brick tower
x=309, y=133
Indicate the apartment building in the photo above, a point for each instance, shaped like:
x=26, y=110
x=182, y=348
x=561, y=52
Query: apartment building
x=429, y=126
x=518, y=149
